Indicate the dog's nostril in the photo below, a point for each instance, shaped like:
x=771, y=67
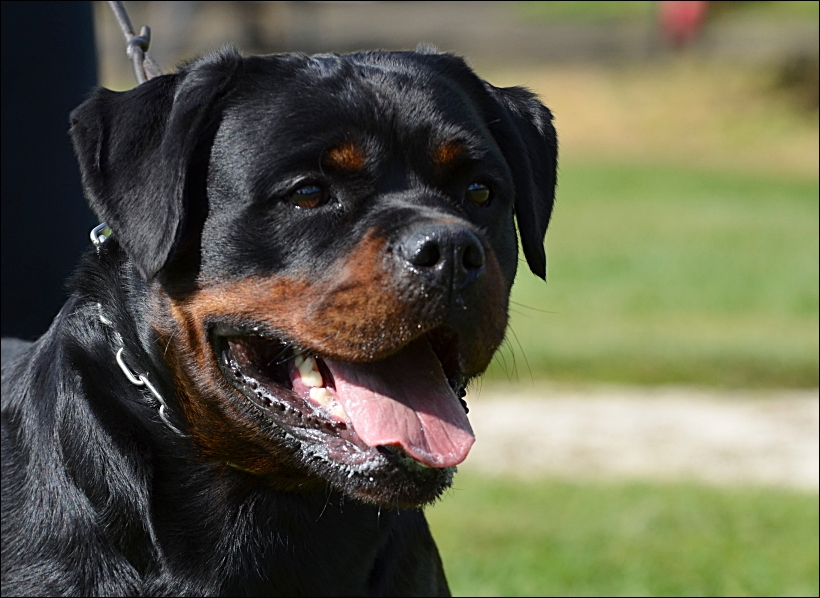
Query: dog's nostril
x=473, y=257
x=427, y=254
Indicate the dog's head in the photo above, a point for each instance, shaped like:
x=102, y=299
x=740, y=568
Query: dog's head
x=330, y=245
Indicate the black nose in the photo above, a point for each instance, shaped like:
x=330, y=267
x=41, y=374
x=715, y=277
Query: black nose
x=449, y=253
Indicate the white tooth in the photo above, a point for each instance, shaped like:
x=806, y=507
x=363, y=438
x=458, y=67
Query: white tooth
x=337, y=411
x=312, y=378
x=308, y=365
x=321, y=395
x=298, y=360
x=310, y=373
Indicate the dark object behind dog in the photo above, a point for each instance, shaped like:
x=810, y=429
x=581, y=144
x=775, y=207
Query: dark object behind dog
x=311, y=257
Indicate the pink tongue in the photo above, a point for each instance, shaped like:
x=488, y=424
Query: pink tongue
x=405, y=400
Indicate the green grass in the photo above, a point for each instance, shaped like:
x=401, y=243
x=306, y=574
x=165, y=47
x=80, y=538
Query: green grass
x=500, y=537
x=662, y=274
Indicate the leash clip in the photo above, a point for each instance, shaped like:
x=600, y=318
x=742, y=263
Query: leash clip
x=142, y=380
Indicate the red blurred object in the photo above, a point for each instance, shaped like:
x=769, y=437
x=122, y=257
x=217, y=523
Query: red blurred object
x=681, y=21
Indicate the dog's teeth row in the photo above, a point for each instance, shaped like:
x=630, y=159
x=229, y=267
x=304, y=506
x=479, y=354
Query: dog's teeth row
x=319, y=393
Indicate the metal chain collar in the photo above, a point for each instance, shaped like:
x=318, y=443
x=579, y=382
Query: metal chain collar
x=99, y=235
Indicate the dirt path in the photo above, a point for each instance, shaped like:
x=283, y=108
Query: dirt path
x=761, y=438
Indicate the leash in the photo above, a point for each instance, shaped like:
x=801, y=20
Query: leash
x=136, y=46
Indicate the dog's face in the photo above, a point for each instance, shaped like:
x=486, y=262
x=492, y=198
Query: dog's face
x=330, y=246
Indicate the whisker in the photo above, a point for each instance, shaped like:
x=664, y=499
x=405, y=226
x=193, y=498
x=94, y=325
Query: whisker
x=512, y=356
x=523, y=354
x=543, y=311
x=168, y=344
x=280, y=357
x=502, y=363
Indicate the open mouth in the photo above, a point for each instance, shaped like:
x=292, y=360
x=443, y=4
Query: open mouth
x=406, y=408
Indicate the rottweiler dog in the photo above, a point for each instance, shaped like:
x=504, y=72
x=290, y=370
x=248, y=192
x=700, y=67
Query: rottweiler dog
x=257, y=381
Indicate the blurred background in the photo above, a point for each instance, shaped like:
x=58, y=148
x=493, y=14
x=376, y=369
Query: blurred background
x=651, y=423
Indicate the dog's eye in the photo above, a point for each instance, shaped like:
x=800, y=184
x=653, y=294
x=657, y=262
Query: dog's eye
x=309, y=196
x=479, y=194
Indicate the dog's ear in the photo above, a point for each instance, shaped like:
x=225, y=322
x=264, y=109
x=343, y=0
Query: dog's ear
x=526, y=135
x=136, y=150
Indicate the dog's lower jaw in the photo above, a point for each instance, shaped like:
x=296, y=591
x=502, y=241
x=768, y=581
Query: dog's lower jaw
x=402, y=482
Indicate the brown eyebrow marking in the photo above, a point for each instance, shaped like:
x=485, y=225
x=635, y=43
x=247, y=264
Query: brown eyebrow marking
x=346, y=156
x=445, y=154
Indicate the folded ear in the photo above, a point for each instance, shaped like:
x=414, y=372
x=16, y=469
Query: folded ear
x=527, y=138
x=136, y=150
